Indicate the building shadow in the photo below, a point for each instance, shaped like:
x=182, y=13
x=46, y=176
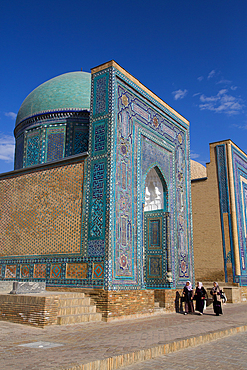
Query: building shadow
x=178, y=303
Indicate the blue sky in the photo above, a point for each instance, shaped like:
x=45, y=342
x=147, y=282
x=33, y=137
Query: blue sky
x=192, y=54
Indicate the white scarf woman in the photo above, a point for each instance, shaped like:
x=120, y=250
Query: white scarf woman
x=216, y=293
x=188, y=295
x=200, y=295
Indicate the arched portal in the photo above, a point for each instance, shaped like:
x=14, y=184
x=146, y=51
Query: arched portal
x=156, y=264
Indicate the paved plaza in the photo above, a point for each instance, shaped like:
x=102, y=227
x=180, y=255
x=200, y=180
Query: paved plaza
x=68, y=347
x=228, y=353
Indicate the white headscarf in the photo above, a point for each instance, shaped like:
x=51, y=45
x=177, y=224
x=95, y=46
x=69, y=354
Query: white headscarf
x=189, y=287
x=215, y=288
x=200, y=285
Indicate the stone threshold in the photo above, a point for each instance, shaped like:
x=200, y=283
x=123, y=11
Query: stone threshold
x=159, y=311
x=116, y=362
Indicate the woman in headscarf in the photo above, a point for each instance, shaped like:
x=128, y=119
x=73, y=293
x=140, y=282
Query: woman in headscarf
x=188, y=298
x=216, y=293
x=200, y=295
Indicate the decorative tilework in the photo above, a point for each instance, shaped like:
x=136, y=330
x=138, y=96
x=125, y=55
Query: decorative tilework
x=96, y=222
x=239, y=161
x=137, y=135
x=224, y=198
x=68, y=271
x=156, y=122
x=98, y=270
x=56, y=271
x=55, y=144
x=76, y=270
x=143, y=113
x=154, y=267
x=124, y=263
x=128, y=107
x=25, y=271
x=10, y=272
x=96, y=248
x=19, y=150
x=155, y=233
x=141, y=134
x=39, y=271
x=97, y=203
x=33, y=149
x=156, y=249
x=223, y=177
x=124, y=175
x=80, y=141
x=229, y=257
x=183, y=266
x=49, y=220
x=101, y=94
x=99, y=137
x=75, y=139
x=98, y=180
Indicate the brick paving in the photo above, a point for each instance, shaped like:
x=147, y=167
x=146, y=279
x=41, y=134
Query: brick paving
x=228, y=353
x=84, y=343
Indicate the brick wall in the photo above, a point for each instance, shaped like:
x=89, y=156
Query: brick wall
x=170, y=299
x=113, y=304
x=123, y=303
x=31, y=310
x=40, y=212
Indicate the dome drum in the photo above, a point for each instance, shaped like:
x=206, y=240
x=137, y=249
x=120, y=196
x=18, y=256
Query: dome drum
x=53, y=121
x=51, y=141
x=45, y=118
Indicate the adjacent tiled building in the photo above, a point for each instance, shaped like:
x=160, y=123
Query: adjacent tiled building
x=219, y=201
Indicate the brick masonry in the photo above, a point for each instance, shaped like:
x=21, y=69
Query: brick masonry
x=169, y=299
x=49, y=221
x=119, y=304
x=37, y=311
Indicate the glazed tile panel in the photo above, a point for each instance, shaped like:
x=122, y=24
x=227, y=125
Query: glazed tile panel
x=49, y=220
x=19, y=148
x=129, y=135
x=145, y=139
x=240, y=183
x=76, y=271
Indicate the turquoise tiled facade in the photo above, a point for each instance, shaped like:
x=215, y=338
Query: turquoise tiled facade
x=232, y=162
x=127, y=133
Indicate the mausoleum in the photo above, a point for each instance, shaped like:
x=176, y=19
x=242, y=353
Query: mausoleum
x=219, y=204
x=100, y=196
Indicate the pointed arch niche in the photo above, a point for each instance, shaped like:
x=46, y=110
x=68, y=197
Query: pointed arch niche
x=155, y=191
x=156, y=255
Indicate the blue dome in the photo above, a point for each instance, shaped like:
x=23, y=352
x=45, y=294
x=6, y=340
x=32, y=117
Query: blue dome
x=69, y=91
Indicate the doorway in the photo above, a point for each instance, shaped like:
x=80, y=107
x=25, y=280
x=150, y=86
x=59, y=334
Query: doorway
x=155, y=230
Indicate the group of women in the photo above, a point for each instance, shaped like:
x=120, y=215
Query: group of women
x=200, y=297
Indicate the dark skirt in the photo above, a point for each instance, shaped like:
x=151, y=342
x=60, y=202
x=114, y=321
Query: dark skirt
x=199, y=304
x=217, y=307
x=189, y=307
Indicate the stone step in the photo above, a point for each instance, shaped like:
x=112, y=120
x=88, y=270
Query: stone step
x=76, y=319
x=67, y=302
x=75, y=310
x=70, y=295
x=156, y=304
